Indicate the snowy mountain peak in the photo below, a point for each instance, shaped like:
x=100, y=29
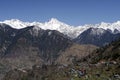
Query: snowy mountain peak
x=104, y=24
x=12, y=20
x=15, y=23
x=97, y=31
x=71, y=31
x=118, y=22
x=53, y=20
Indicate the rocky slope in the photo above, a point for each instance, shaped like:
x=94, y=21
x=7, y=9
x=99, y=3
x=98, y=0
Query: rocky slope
x=109, y=53
x=74, y=32
x=103, y=63
x=51, y=43
x=46, y=43
x=97, y=36
x=23, y=48
x=74, y=53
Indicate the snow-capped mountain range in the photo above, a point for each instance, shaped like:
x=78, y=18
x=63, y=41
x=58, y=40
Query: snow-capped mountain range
x=71, y=31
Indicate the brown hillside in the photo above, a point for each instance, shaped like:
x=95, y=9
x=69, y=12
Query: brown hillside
x=75, y=52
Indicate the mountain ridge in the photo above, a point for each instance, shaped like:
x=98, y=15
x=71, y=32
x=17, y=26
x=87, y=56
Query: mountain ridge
x=71, y=31
x=97, y=36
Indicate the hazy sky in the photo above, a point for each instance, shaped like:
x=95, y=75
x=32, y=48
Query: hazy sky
x=73, y=12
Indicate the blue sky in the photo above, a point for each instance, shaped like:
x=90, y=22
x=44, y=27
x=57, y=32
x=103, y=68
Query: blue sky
x=73, y=12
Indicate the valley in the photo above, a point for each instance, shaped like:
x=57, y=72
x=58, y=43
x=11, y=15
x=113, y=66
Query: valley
x=56, y=51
